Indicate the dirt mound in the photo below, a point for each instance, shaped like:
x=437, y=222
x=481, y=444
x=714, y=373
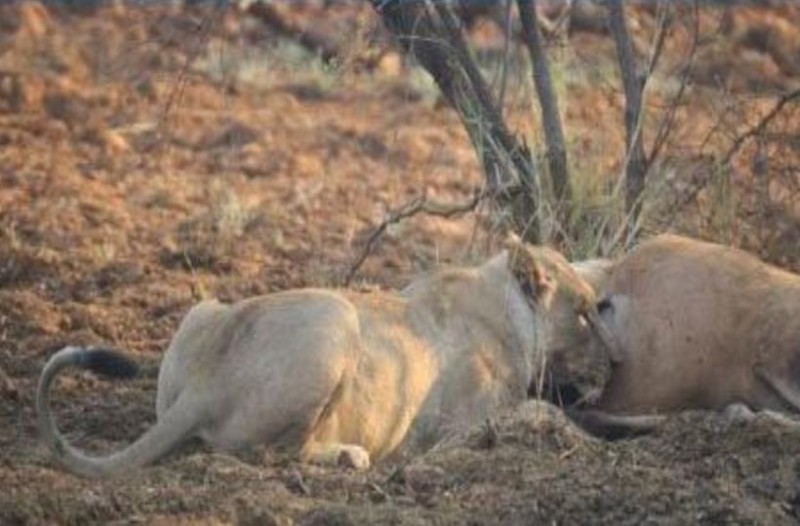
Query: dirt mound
x=528, y=466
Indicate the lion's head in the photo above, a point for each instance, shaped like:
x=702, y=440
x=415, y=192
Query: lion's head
x=571, y=322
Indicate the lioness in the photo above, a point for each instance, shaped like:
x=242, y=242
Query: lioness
x=700, y=326
x=348, y=378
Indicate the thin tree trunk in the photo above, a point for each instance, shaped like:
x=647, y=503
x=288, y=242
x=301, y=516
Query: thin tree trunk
x=429, y=31
x=636, y=160
x=548, y=102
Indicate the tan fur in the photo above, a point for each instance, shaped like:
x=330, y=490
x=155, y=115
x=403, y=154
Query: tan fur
x=595, y=271
x=349, y=378
x=701, y=326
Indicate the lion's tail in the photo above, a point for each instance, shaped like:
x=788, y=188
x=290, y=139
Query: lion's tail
x=177, y=424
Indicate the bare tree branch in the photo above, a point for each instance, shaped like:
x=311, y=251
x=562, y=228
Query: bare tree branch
x=753, y=132
x=658, y=39
x=635, y=164
x=563, y=21
x=668, y=120
x=507, y=29
x=430, y=32
x=266, y=13
x=761, y=125
x=204, y=30
x=548, y=103
x=419, y=205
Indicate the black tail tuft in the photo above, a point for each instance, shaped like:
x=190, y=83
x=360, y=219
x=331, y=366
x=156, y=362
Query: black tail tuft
x=107, y=362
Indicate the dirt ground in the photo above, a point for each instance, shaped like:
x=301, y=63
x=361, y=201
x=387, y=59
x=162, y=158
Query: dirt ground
x=149, y=158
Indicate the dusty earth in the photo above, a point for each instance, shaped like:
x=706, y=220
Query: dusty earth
x=149, y=158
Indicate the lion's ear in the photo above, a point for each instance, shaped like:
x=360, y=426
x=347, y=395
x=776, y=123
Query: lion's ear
x=542, y=282
x=518, y=256
x=541, y=276
x=513, y=238
x=513, y=244
x=532, y=275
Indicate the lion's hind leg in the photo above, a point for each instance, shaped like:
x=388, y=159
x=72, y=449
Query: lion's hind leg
x=336, y=454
